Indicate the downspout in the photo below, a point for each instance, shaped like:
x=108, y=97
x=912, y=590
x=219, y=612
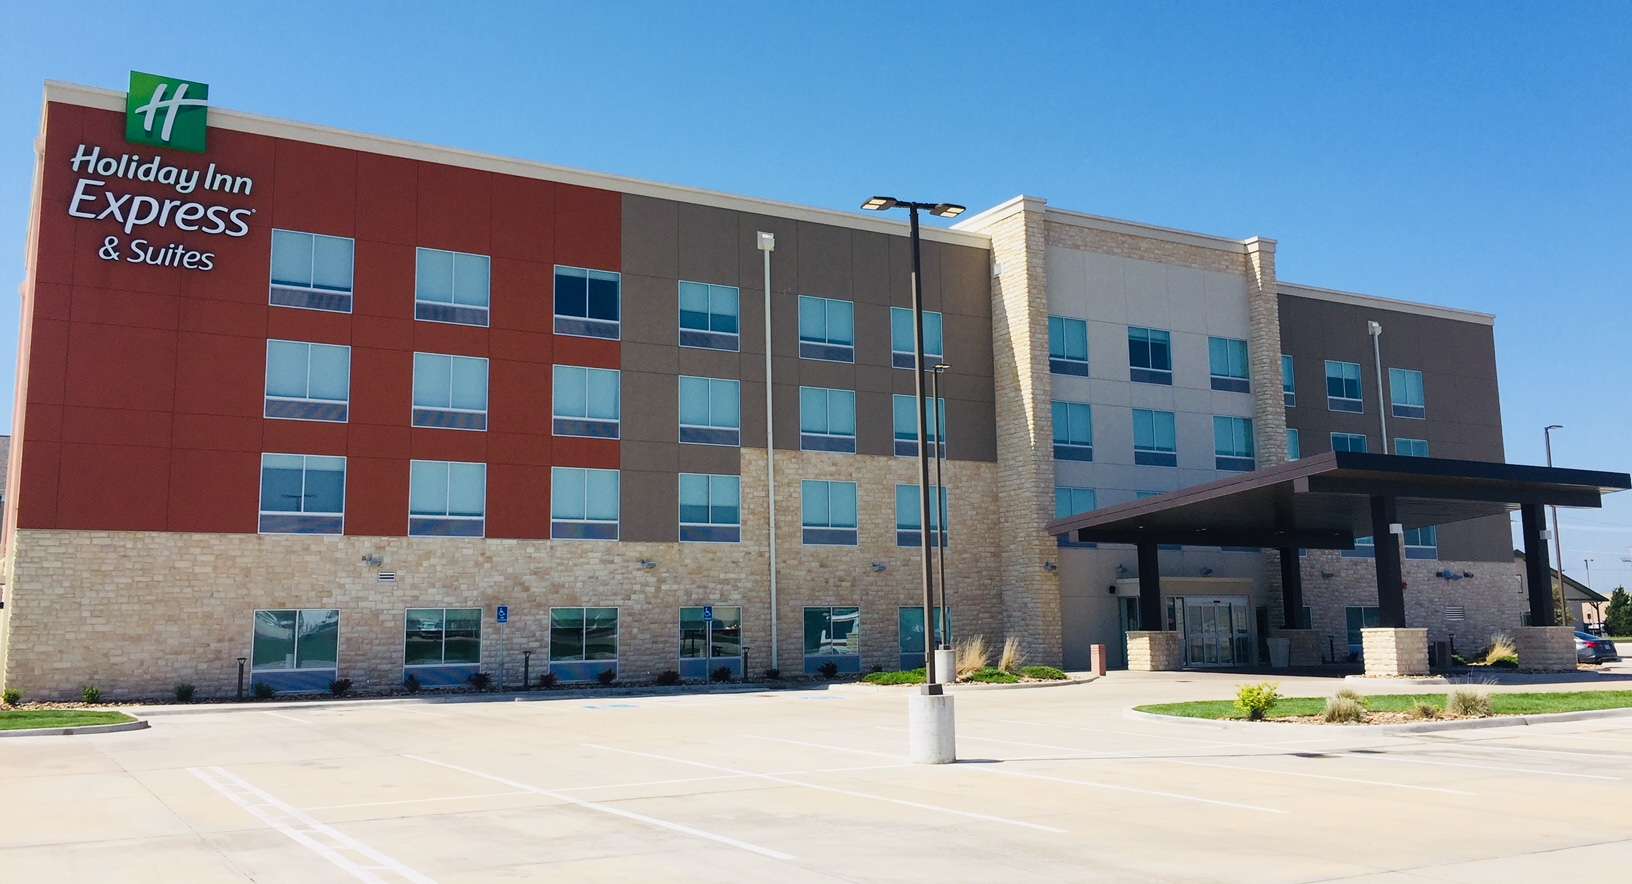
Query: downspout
x=767, y=244
x=1375, y=329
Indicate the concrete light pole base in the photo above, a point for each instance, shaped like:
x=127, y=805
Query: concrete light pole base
x=931, y=730
x=946, y=666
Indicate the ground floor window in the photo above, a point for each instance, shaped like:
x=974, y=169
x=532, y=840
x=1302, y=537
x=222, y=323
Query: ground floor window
x=1422, y=543
x=1360, y=617
x=442, y=647
x=710, y=637
x=296, y=649
x=833, y=635
x=583, y=642
x=910, y=627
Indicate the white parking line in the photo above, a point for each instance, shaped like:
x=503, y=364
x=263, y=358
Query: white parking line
x=1584, y=755
x=326, y=841
x=1464, y=764
x=284, y=717
x=1114, y=787
x=1316, y=776
x=835, y=790
x=412, y=801
x=613, y=811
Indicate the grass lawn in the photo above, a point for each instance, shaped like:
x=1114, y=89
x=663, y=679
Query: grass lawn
x=23, y=719
x=1501, y=704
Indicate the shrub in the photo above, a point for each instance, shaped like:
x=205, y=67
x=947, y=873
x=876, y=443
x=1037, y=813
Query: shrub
x=668, y=677
x=973, y=655
x=264, y=691
x=1501, y=648
x=828, y=669
x=91, y=694
x=1013, y=658
x=773, y=673
x=340, y=687
x=877, y=667
x=1458, y=660
x=548, y=680
x=911, y=676
x=481, y=681
x=1423, y=709
x=1048, y=673
x=412, y=683
x=724, y=673
x=1467, y=703
x=990, y=675
x=1255, y=700
x=1351, y=694
x=12, y=696
x=1505, y=663
x=1343, y=710
x=184, y=693
x=607, y=676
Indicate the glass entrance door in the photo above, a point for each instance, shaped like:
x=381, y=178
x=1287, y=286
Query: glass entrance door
x=1217, y=632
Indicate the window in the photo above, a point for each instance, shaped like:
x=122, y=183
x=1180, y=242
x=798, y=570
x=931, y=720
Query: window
x=1363, y=549
x=827, y=420
x=1352, y=442
x=450, y=392
x=586, y=402
x=443, y=637
x=710, y=411
x=710, y=508
x=1411, y=447
x=829, y=513
x=906, y=424
x=584, y=504
x=1154, y=443
x=446, y=499
x=587, y=302
x=909, y=519
x=583, y=642
x=1289, y=384
x=1150, y=356
x=910, y=629
x=1069, y=501
x=827, y=329
x=1227, y=364
x=1343, y=387
x=1360, y=617
x=1073, y=431
x=1067, y=346
x=1405, y=393
x=307, y=382
x=302, y=494
x=902, y=352
x=1294, y=444
x=833, y=635
x=710, y=637
x=312, y=271
x=293, y=640
x=1422, y=543
x=1232, y=443
x=451, y=287
x=710, y=316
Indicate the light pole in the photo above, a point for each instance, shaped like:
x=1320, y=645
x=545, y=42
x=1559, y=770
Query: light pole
x=1562, y=615
x=940, y=502
x=931, y=737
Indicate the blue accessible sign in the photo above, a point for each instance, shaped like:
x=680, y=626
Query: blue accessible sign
x=504, y=613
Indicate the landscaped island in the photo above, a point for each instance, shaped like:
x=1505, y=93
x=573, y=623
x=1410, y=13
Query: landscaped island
x=1348, y=707
x=32, y=719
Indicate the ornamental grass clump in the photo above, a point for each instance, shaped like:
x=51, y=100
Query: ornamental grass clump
x=1423, y=710
x=973, y=656
x=1343, y=710
x=1503, y=653
x=1254, y=701
x=1013, y=658
x=1467, y=703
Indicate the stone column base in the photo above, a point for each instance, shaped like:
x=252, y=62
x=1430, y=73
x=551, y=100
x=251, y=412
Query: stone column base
x=1153, y=651
x=1545, y=648
x=1305, y=650
x=1395, y=652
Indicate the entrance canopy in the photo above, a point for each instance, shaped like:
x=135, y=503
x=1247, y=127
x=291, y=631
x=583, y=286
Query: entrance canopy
x=1324, y=501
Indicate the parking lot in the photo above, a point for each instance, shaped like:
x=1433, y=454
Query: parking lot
x=1056, y=785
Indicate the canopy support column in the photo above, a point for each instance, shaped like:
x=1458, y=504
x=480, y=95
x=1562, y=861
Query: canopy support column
x=1292, y=589
x=1390, y=579
x=1538, y=572
x=1150, y=588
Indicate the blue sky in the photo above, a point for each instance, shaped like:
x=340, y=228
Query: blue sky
x=1468, y=154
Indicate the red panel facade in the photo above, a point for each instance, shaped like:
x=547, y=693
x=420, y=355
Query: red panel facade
x=142, y=404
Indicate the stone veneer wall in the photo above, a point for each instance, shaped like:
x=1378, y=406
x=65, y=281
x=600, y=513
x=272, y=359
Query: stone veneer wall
x=1025, y=430
x=134, y=613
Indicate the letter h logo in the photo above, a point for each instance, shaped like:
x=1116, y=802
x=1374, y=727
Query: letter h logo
x=166, y=112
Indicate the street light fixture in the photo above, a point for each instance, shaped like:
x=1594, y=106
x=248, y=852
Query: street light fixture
x=940, y=503
x=930, y=724
x=1562, y=615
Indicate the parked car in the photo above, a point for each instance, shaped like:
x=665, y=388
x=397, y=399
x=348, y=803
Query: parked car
x=1590, y=648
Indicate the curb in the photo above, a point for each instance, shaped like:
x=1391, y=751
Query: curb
x=138, y=724
x=1469, y=724
x=491, y=697
x=864, y=687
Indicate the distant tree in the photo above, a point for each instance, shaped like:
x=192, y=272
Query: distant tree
x=1618, y=619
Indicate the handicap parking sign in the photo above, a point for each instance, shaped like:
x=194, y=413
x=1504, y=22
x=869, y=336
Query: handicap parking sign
x=708, y=613
x=504, y=613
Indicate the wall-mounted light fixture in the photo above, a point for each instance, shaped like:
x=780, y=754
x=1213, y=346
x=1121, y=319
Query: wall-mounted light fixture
x=647, y=564
x=1206, y=572
x=373, y=560
x=1327, y=575
x=880, y=567
x=1050, y=567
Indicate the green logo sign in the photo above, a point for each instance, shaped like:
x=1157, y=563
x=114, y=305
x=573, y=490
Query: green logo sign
x=166, y=112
